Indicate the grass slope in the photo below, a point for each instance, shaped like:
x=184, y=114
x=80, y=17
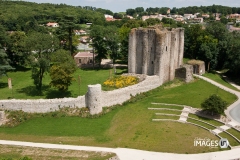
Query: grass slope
x=219, y=79
x=130, y=125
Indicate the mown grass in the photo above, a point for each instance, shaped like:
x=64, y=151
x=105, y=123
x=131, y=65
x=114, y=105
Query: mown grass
x=17, y=152
x=234, y=132
x=129, y=125
x=166, y=117
x=231, y=140
x=201, y=124
x=165, y=106
x=219, y=79
x=169, y=112
x=23, y=87
x=211, y=121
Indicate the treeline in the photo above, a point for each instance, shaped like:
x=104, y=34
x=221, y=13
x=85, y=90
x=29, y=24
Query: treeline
x=184, y=10
x=16, y=15
x=215, y=45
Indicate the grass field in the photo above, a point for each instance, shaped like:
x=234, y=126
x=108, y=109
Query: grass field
x=130, y=125
x=218, y=78
x=23, y=87
x=211, y=121
x=16, y=152
x=232, y=141
x=234, y=132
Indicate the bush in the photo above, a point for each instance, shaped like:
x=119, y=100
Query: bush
x=214, y=104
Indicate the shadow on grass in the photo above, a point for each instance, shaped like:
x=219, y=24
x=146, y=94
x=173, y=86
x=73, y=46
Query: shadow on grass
x=21, y=69
x=57, y=94
x=207, y=115
x=32, y=91
x=3, y=85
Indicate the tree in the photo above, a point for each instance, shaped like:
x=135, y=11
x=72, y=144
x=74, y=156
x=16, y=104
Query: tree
x=4, y=63
x=208, y=50
x=99, y=42
x=40, y=46
x=16, y=49
x=214, y=104
x=61, y=72
x=123, y=33
x=68, y=24
x=112, y=41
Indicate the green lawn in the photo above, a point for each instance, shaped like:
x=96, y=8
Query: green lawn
x=23, y=87
x=211, y=121
x=166, y=117
x=201, y=123
x=232, y=141
x=165, y=106
x=218, y=78
x=129, y=125
x=234, y=132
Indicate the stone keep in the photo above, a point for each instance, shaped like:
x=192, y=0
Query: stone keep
x=156, y=51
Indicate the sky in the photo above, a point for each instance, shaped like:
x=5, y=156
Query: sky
x=123, y=5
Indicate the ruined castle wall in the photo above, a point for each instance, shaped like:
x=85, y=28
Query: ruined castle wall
x=139, y=52
x=132, y=48
x=42, y=105
x=121, y=95
x=181, y=46
x=152, y=51
x=158, y=51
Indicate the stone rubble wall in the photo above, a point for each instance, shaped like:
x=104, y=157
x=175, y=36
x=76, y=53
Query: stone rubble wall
x=42, y=105
x=95, y=98
x=121, y=95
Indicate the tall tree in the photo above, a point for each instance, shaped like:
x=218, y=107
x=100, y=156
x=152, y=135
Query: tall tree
x=67, y=24
x=41, y=45
x=112, y=40
x=99, y=42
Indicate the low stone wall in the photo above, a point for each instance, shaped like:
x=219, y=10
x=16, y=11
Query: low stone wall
x=42, y=105
x=95, y=98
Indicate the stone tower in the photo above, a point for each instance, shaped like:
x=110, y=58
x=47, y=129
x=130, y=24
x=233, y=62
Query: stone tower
x=156, y=51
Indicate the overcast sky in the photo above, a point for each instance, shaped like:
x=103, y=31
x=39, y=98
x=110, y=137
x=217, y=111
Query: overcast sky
x=122, y=5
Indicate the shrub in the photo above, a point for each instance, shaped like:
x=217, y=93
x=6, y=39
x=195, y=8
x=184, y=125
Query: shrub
x=215, y=104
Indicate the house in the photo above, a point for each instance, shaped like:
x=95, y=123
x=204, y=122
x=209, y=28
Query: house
x=168, y=11
x=189, y=16
x=234, y=16
x=84, y=39
x=52, y=24
x=205, y=15
x=84, y=59
x=130, y=17
x=80, y=32
x=238, y=20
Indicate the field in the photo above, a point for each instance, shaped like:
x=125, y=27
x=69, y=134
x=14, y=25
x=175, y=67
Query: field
x=129, y=125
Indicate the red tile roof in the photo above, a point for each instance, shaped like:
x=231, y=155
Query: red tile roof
x=83, y=54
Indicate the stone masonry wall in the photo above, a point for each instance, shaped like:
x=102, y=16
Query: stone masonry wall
x=156, y=51
x=95, y=98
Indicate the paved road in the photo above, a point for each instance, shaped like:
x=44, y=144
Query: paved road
x=133, y=154
x=233, y=111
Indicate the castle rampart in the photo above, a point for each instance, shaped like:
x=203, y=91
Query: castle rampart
x=156, y=51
